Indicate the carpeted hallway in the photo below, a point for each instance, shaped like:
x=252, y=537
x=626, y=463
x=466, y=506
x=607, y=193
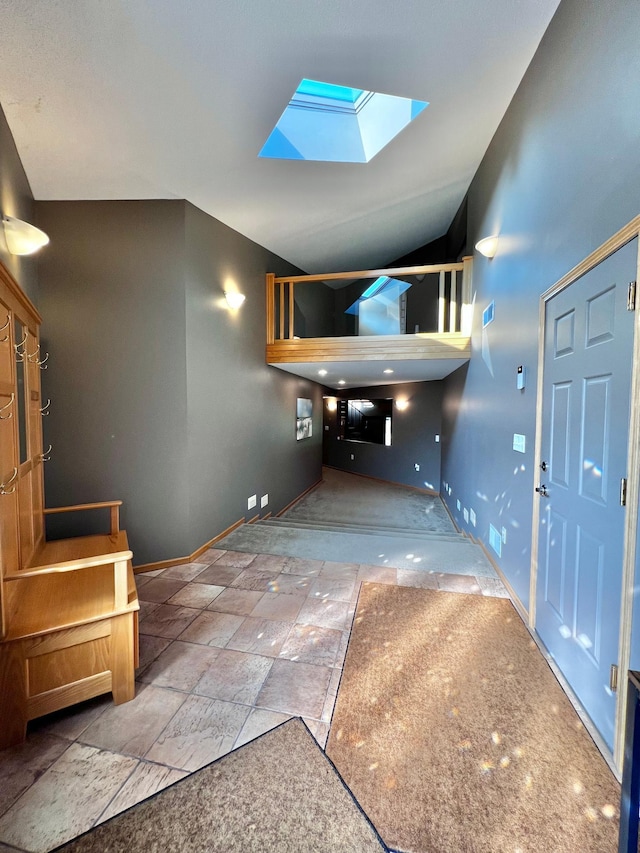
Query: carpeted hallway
x=352, y=519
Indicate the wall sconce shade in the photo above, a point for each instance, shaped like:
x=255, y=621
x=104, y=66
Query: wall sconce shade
x=22, y=238
x=234, y=299
x=402, y=405
x=488, y=246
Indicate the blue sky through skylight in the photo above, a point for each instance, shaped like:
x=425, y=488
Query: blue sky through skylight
x=382, y=289
x=327, y=122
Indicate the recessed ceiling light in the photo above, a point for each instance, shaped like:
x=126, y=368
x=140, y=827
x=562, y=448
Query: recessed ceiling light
x=387, y=370
x=342, y=382
x=322, y=372
x=337, y=123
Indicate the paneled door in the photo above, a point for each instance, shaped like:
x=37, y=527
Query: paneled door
x=588, y=357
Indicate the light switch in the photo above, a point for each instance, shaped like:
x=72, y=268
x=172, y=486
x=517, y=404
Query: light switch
x=519, y=442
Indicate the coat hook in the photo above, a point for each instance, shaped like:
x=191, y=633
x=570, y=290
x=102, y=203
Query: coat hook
x=23, y=343
x=44, y=411
x=10, y=481
x=2, y=328
x=42, y=364
x=10, y=403
x=45, y=457
x=34, y=354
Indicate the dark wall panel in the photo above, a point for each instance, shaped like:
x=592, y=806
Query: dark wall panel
x=561, y=175
x=112, y=299
x=414, y=432
x=16, y=200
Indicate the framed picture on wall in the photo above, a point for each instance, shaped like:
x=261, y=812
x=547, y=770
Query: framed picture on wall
x=304, y=420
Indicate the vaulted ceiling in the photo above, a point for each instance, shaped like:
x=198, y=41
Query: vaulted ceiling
x=175, y=98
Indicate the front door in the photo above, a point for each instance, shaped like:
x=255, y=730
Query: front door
x=588, y=356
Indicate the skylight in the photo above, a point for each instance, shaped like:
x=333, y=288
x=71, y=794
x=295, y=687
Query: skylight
x=383, y=289
x=339, y=124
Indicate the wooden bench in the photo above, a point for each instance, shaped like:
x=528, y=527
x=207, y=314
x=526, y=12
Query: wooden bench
x=68, y=608
x=71, y=627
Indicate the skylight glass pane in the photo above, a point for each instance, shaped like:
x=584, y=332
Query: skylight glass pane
x=333, y=123
x=328, y=90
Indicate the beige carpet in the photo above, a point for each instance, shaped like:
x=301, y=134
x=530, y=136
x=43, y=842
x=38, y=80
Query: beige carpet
x=278, y=793
x=454, y=735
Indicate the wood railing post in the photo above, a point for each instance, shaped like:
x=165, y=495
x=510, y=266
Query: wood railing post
x=291, y=311
x=271, y=307
x=466, y=307
x=441, y=303
x=453, y=301
x=282, y=286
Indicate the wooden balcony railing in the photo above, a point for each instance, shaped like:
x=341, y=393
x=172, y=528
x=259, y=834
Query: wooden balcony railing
x=453, y=296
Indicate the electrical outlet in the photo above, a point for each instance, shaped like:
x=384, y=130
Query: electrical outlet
x=352, y=457
x=252, y=501
x=416, y=466
x=326, y=428
x=264, y=500
x=437, y=438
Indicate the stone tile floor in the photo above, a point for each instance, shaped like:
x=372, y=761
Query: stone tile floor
x=230, y=647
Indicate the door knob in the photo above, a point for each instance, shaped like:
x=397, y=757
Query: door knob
x=544, y=466
x=542, y=490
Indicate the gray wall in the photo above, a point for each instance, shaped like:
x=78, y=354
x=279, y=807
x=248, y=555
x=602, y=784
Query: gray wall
x=413, y=437
x=160, y=396
x=113, y=306
x=16, y=200
x=241, y=412
x=561, y=175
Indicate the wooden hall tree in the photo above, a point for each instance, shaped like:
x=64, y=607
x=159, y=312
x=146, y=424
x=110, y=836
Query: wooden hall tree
x=68, y=608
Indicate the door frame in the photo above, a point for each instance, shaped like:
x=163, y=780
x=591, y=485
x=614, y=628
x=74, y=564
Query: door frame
x=625, y=235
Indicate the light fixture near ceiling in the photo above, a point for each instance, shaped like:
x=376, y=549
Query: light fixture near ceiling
x=21, y=237
x=488, y=246
x=402, y=404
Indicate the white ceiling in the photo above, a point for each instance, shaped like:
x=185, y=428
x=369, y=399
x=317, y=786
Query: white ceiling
x=174, y=99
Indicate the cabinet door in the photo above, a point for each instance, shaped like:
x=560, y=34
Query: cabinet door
x=8, y=455
x=34, y=430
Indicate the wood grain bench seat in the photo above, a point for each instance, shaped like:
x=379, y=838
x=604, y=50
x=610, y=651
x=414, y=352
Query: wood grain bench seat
x=71, y=628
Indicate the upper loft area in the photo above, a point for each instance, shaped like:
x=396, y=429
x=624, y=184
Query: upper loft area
x=371, y=327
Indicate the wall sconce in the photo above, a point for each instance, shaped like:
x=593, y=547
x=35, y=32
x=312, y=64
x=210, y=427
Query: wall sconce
x=488, y=246
x=234, y=299
x=332, y=404
x=22, y=238
x=402, y=405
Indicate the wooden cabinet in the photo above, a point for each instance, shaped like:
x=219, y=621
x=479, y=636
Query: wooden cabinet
x=68, y=608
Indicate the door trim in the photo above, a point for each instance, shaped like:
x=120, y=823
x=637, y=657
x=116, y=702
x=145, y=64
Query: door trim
x=617, y=241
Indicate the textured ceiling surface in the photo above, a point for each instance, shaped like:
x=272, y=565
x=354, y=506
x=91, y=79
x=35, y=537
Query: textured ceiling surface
x=168, y=99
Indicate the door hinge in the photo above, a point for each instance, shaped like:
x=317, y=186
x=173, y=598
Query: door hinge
x=623, y=491
x=631, y=296
x=613, y=678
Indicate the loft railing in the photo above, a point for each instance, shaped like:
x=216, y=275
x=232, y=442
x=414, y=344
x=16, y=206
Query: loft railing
x=435, y=298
